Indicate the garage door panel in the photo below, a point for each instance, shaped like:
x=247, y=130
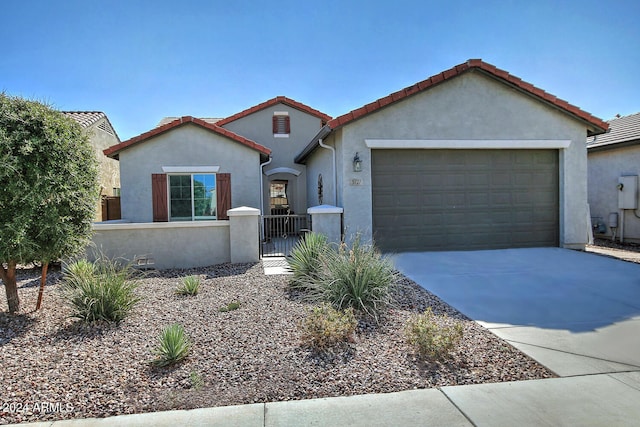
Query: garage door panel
x=464, y=199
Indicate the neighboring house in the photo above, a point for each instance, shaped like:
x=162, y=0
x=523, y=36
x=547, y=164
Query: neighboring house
x=195, y=169
x=614, y=159
x=101, y=135
x=471, y=158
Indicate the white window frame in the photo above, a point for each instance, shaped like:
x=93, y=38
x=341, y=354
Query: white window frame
x=190, y=174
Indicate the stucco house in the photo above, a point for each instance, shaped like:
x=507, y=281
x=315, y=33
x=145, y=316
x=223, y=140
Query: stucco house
x=471, y=158
x=229, y=159
x=102, y=136
x=614, y=166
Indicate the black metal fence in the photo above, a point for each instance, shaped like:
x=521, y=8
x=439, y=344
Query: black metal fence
x=281, y=232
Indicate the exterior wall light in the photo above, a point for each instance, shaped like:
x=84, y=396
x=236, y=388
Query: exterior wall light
x=357, y=163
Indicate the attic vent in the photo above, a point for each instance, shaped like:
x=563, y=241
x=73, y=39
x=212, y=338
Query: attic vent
x=105, y=127
x=281, y=124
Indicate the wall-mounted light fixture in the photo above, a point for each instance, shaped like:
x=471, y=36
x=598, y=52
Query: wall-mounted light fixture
x=357, y=163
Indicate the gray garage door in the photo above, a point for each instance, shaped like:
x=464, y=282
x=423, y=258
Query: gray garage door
x=464, y=199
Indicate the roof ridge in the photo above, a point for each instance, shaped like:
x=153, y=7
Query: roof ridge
x=277, y=100
x=115, y=149
x=456, y=71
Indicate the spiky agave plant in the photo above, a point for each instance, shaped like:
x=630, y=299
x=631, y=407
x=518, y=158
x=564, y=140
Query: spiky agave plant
x=306, y=260
x=173, y=346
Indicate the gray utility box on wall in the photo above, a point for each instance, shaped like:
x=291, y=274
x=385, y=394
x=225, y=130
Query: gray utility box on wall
x=628, y=192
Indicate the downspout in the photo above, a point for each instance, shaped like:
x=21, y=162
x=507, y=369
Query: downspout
x=335, y=175
x=262, y=165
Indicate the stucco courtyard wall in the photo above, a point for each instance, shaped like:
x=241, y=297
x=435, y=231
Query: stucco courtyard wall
x=170, y=244
x=185, y=244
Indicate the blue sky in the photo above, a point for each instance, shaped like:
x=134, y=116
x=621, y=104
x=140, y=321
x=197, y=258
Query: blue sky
x=139, y=61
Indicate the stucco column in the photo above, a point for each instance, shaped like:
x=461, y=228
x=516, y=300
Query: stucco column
x=327, y=220
x=244, y=235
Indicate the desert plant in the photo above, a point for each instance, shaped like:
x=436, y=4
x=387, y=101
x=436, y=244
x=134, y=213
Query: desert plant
x=433, y=336
x=173, y=346
x=190, y=286
x=229, y=307
x=325, y=327
x=306, y=260
x=79, y=271
x=100, y=291
x=358, y=277
x=196, y=380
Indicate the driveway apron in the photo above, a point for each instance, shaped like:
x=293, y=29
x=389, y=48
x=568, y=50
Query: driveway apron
x=576, y=313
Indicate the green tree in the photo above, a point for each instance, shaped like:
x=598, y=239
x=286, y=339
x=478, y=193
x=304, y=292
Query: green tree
x=48, y=188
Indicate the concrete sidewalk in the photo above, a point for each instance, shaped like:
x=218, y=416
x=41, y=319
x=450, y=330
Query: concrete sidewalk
x=593, y=400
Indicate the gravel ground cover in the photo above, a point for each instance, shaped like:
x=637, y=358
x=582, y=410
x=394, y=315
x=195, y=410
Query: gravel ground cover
x=54, y=367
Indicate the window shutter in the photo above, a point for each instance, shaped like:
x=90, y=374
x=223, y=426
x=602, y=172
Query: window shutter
x=287, y=124
x=223, y=191
x=274, y=122
x=159, y=197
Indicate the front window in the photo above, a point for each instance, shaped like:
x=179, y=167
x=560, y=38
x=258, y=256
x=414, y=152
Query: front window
x=192, y=197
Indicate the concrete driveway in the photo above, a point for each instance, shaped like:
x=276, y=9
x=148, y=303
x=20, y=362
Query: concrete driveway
x=576, y=313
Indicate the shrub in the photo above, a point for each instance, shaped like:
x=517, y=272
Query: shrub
x=100, y=291
x=79, y=271
x=359, y=278
x=306, y=260
x=173, y=346
x=430, y=337
x=229, y=307
x=196, y=380
x=190, y=286
x=325, y=327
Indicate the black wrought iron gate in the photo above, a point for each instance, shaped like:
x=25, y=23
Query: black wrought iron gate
x=280, y=233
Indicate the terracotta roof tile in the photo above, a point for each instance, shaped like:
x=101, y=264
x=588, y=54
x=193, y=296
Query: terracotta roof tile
x=166, y=120
x=485, y=67
x=277, y=100
x=472, y=64
x=114, y=150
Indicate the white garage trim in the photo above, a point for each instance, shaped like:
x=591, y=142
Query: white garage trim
x=467, y=144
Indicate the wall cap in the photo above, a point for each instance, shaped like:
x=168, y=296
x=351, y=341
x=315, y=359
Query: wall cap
x=325, y=209
x=98, y=226
x=243, y=211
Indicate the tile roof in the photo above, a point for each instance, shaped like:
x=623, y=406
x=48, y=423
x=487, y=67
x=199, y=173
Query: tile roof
x=456, y=71
x=166, y=120
x=89, y=118
x=114, y=151
x=277, y=100
x=85, y=118
x=621, y=130
x=597, y=124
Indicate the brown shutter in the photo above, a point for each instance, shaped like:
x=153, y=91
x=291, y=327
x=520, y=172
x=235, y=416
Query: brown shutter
x=287, y=125
x=274, y=123
x=223, y=190
x=159, y=197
